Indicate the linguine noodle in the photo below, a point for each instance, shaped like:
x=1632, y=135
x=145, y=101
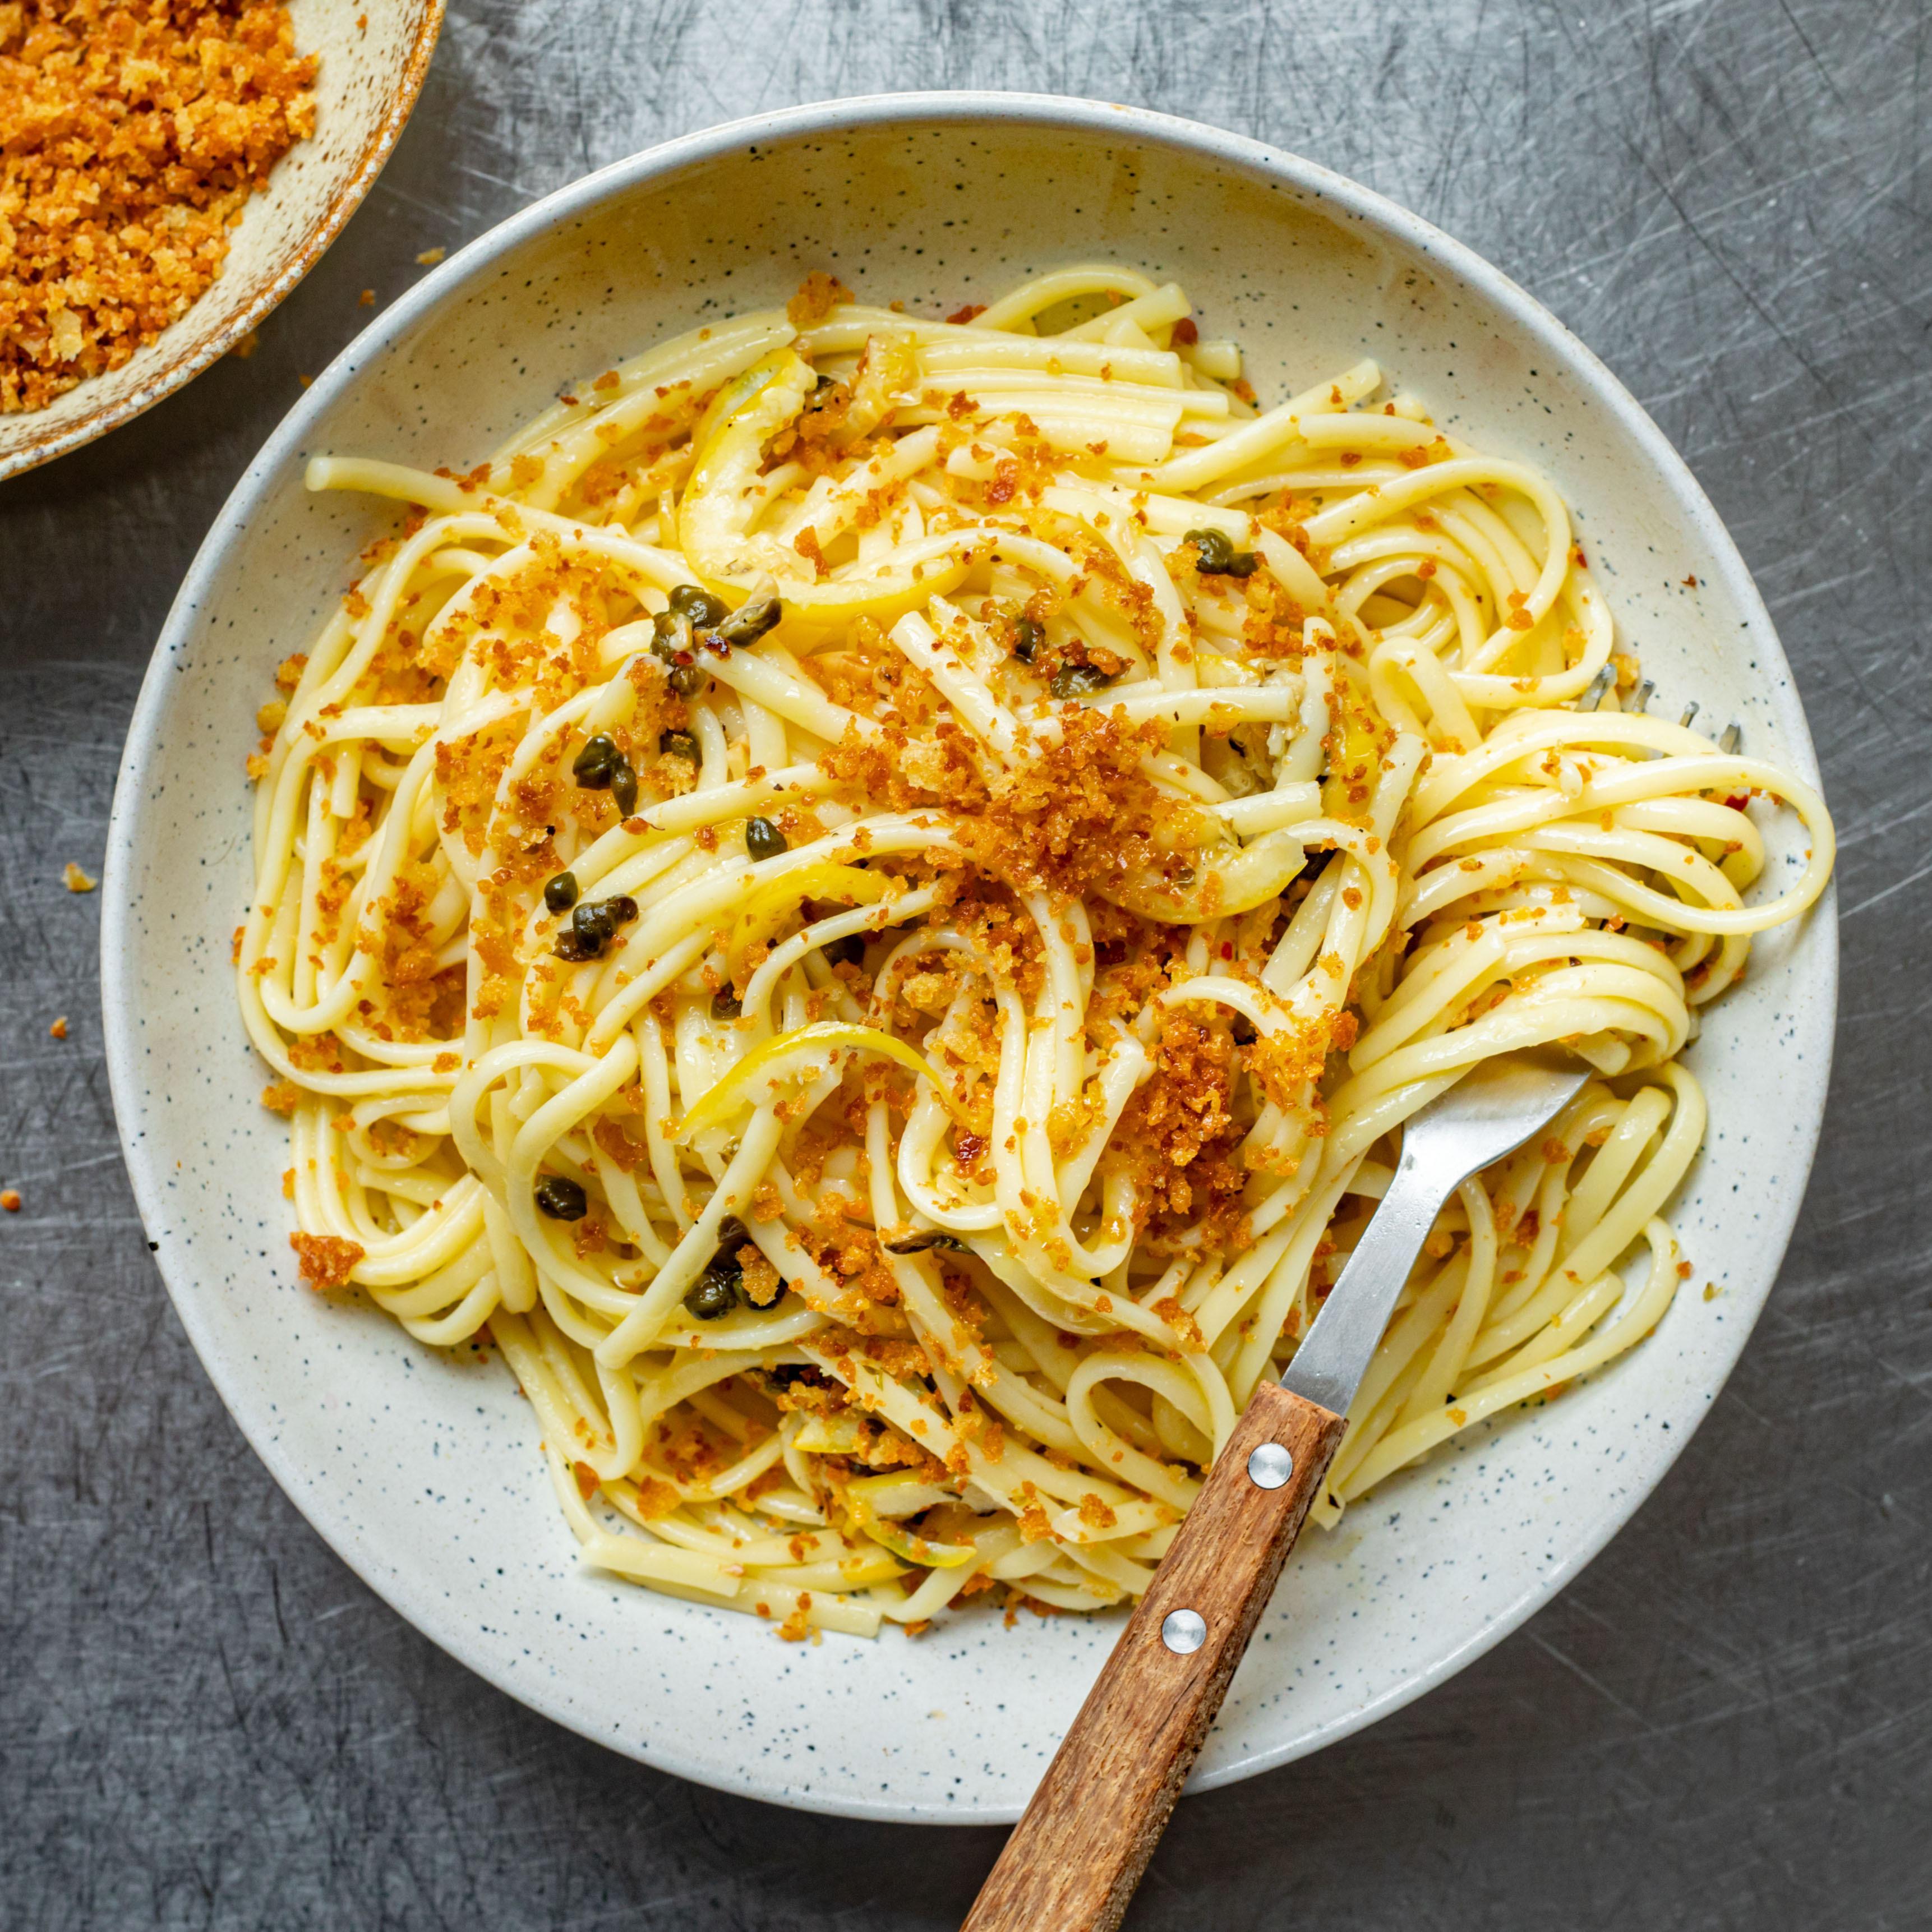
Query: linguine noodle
x=869, y=899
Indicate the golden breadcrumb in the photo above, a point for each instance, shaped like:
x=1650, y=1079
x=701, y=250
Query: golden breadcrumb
x=132, y=133
x=818, y=295
x=325, y=1260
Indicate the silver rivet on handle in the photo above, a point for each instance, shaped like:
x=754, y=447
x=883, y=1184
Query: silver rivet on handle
x=1269, y=1466
x=1183, y=1630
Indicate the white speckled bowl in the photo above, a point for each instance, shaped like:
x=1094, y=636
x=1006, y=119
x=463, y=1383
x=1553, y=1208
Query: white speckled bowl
x=374, y=55
x=424, y=1473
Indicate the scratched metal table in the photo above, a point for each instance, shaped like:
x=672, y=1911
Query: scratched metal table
x=206, y=1721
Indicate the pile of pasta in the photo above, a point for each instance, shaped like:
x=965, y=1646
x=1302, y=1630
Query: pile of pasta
x=869, y=898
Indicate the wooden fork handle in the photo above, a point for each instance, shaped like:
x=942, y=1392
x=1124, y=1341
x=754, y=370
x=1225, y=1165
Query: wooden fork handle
x=1074, y=1859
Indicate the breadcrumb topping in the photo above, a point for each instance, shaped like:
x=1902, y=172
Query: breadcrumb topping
x=131, y=136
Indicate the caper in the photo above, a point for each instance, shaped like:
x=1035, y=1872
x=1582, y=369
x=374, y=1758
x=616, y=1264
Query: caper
x=719, y=1288
x=1027, y=638
x=592, y=765
x=710, y=1296
x=1216, y=557
x=763, y=840
x=623, y=784
x=705, y=611
x=562, y=1199
x=1079, y=680
x=1212, y=549
x=750, y=622
x=560, y=893
x=790, y=1375
x=670, y=643
x=670, y=636
x=678, y=744
x=918, y=1243
x=619, y=910
x=725, y=1004
x=593, y=924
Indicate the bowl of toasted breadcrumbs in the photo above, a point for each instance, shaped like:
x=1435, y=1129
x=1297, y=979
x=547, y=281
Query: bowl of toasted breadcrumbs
x=169, y=169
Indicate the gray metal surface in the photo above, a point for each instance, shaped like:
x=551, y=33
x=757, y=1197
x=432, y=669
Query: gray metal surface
x=206, y=1721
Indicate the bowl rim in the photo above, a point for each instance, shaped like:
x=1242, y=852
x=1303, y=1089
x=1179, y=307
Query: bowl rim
x=32, y=450
x=337, y=1526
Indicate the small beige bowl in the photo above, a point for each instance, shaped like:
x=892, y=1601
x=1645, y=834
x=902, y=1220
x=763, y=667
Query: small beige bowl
x=374, y=55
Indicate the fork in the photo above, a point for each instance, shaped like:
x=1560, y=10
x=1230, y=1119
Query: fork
x=1074, y=1858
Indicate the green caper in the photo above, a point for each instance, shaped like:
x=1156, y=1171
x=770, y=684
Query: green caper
x=560, y=893
x=717, y=1289
x=670, y=635
x=725, y=1004
x=1079, y=680
x=562, y=1199
x=763, y=840
x=671, y=643
x=623, y=784
x=1217, y=555
x=678, y=744
x=750, y=622
x=1027, y=638
x=705, y=611
x=918, y=1242
x=592, y=926
x=592, y=766
x=711, y=1296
